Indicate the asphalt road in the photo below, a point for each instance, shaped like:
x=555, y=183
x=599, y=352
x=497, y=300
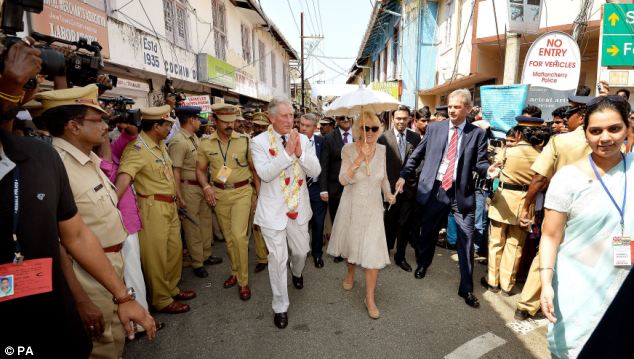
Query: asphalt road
x=419, y=318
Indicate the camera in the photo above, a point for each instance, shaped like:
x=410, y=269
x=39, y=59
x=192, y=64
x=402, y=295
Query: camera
x=121, y=113
x=81, y=64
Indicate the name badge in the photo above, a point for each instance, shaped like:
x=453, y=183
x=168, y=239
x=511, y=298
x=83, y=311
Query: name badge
x=622, y=251
x=32, y=277
x=223, y=174
x=443, y=167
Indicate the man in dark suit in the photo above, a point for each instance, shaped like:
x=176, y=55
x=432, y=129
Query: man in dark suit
x=399, y=144
x=330, y=161
x=451, y=150
x=308, y=126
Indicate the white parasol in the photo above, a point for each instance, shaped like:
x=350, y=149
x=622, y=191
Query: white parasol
x=362, y=100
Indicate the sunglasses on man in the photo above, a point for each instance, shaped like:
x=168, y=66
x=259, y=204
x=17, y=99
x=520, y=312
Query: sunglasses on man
x=373, y=128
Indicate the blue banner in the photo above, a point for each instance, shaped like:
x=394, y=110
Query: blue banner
x=500, y=105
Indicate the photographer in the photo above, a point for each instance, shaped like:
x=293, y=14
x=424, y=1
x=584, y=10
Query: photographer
x=46, y=320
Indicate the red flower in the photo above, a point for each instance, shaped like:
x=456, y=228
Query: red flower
x=287, y=180
x=292, y=215
x=272, y=152
x=300, y=182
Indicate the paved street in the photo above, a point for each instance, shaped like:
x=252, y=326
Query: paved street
x=419, y=319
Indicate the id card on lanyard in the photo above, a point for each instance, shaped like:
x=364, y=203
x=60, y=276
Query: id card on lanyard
x=23, y=277
x=621, y=245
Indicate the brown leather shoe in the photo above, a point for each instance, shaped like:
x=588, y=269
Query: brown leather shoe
x=175, y=308
x=185, y=295
x=245, y=293
x=230, y=282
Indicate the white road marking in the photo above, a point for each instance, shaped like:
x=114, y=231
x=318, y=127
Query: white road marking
x=526, y=326
x=476, y=347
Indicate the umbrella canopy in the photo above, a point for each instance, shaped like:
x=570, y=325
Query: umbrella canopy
x=362, y=99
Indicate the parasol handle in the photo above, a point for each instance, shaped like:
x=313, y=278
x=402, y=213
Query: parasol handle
x=365, y=139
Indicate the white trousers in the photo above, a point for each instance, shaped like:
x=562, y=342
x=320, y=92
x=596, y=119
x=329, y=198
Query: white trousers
x=132, y=272
x=296, y=239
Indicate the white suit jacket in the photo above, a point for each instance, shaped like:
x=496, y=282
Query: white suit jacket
x=271, y=208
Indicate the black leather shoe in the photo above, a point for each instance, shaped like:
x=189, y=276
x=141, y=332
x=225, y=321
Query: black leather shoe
x=260, y=267
x=212, y=261
x=420, y=272
x=280, y=320
x=470, y=299
x=488, y=286
x=201, y=272
x=298, y=282
x=319, y=263
x=338, y=259
x=404, y=265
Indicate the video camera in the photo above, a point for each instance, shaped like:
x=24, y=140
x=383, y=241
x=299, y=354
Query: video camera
x=121, y=113
x=81, y=64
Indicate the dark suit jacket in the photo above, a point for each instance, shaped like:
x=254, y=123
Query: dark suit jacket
x=472, y=156
x=330, y=161
x=393, y=161
x=314, y=188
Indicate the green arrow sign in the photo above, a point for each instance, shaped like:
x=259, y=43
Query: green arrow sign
x=618, y=51
x=618, y=19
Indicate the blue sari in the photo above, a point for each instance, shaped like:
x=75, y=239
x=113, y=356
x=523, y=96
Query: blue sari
x=585, y=280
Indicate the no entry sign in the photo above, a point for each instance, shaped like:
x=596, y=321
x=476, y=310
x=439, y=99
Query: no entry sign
x=553, y=61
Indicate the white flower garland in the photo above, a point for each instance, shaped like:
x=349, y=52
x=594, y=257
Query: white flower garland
x=289, y=188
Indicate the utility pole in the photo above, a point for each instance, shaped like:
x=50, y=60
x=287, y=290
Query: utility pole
x=301, y=17
x=511, y=59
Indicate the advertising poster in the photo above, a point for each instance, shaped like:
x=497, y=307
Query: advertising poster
x=500, y=105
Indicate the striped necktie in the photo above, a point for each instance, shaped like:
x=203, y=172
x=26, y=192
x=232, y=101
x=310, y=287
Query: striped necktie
x=447, y=179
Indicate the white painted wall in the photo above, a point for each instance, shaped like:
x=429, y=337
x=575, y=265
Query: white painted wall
x=553, y=13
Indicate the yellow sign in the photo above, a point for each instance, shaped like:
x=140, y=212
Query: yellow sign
x=390, y=87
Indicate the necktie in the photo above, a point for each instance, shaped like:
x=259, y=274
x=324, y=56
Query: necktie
x=401, y=145
x=447, y=179
x=345, y=138
x=310, y=180
x=283, y=141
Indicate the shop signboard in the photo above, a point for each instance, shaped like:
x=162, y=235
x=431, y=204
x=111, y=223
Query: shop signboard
x=216, y=71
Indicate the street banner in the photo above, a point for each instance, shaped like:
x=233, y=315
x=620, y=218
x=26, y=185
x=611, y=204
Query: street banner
x=500, y=105
x=552, y=69
x=524, y=16
x=201, y=101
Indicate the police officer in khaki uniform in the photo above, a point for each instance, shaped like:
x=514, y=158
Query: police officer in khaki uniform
x=506, y=238
x=74, y=118
x=260, y=124
x=183, y=150
x=560, y=151
x=228, y=155
x=146, y=161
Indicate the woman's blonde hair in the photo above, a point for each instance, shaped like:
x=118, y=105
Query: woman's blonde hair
x=366, y=119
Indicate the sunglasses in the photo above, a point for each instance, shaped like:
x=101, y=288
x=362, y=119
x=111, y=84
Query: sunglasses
x=373, y=128
x=343, y=118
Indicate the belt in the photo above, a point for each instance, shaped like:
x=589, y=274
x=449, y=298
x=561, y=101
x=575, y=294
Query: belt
x=514, y=187
x=191, y=182
x=160, y=197
x=231, y=185
x=113, y=249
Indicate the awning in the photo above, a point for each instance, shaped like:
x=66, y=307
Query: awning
x=456, y=84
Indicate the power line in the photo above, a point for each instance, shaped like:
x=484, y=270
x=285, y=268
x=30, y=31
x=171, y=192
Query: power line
x=320, y=22
x=333, y=57
x=293, y=15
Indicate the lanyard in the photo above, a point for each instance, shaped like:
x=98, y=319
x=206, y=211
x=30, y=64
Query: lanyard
x=152, y=152
x=224, y=154
x=18, y=257
x=622, y=208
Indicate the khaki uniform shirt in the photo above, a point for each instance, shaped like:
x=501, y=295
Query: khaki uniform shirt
x=516, y=169
x=94, y=194
x=560, y=151
x=149, y=165
x=237, y=152
x=183, y=151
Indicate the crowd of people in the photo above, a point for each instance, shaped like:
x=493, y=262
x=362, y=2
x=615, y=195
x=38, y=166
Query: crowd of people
x=117, y=204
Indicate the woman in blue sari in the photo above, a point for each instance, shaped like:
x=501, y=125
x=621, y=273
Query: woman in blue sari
x=587, y=211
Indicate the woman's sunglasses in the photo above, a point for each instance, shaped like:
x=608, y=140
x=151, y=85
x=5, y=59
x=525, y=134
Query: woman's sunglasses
x=373, y=128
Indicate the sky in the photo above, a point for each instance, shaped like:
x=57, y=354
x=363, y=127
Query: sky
x=342, y=23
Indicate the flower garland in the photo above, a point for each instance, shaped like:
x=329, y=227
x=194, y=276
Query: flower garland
x=290, y=189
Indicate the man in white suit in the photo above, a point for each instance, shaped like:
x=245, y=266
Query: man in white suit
x=283, y=158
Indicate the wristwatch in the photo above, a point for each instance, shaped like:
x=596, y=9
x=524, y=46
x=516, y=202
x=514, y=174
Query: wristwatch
x=129, y=296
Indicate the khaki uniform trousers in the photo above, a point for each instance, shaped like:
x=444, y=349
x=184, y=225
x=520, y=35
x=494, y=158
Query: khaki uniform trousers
x=506, y=242
x=197, y=236
x=232, y=209
x=161, y=250
x=110, y=344
x=529, y=299
x=261, y=253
